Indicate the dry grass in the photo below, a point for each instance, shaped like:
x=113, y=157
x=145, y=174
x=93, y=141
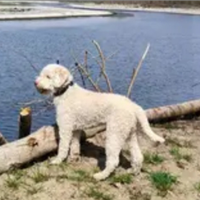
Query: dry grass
x=95, y=193
x=176, y=153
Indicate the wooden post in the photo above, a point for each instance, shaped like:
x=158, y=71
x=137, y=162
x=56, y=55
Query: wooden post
x=25, y=119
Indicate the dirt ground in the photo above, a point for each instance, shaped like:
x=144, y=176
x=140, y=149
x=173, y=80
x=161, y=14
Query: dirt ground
x=179, y=157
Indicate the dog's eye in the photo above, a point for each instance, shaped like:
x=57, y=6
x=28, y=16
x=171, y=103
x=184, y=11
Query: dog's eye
x=48, y=76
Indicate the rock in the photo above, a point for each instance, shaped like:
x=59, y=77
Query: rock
x=182, y=164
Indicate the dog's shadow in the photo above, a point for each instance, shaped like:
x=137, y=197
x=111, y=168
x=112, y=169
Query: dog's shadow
x=90, y=150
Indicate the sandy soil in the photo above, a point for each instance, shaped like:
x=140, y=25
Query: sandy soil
x=26, y=12
x=73, y=180
x=191, y=11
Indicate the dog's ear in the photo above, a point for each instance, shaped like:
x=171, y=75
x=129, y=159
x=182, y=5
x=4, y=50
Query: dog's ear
x=62, y=75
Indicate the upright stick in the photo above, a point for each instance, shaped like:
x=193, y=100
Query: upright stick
x=103, y=66
x=86, y=59
x=135, y=71
x=25, y=119
x=2, y=140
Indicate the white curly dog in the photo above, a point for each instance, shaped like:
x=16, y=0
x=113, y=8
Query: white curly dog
x=78, y=109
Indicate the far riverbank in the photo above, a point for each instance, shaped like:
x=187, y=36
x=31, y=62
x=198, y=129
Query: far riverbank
x=17, y=12
x=134, y=7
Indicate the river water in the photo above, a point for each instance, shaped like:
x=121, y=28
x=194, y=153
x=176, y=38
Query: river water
x=167, y=76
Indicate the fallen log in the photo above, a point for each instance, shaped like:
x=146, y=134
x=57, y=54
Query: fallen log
x=44, y=140
x=22, y=151
x=38, y=144
x=173, y=111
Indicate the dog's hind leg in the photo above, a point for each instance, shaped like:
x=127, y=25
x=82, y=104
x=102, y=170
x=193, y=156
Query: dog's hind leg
x=115, y=139
x=136, y=154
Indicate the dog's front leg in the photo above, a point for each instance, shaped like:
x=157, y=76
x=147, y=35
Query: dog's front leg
x=65, y=137
x=74, y=154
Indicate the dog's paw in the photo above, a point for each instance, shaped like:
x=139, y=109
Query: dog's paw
x=99, y=176
x=56, y=161
x=162, y=140
x=74, y=158
x=159, y=140
x=134, y=171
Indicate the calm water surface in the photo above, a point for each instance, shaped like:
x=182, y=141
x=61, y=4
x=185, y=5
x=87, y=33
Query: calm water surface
x=171, y=67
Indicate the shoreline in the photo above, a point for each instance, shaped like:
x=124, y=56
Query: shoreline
x=31, y=13
x=113, y=7
x=17, y=12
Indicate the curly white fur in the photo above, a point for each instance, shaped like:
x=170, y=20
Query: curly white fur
x=78, y=109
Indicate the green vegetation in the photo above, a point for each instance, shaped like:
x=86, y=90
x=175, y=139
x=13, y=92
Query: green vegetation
x=17, y=173
x=80, y=176
x=163, y=181
x=154, y=158
x=175, y=151
x=38, y=176
x=175, y=141
x=122, y=178
x=197, y=187
x=12, y=182
x=169, y=126
x=98, y=195
x=63, y=165
x=76, y=175
x=32, y=189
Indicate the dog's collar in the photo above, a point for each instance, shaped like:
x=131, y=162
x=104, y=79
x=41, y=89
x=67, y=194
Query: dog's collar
x=60, y=91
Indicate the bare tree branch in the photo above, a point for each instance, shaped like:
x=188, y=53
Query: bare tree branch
x=103, y=66
x=111, y=55
x=79, y=70
x=47, y=107
x=25, y=57
x=81, y=75
x=32, y=102
x=86, y=60
x=135, y=71
x=85, y=72
x=98, y=63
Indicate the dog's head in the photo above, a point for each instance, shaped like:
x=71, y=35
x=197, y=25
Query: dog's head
x=52, y=78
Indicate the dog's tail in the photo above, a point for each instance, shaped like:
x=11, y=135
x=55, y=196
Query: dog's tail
x=143, y=121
